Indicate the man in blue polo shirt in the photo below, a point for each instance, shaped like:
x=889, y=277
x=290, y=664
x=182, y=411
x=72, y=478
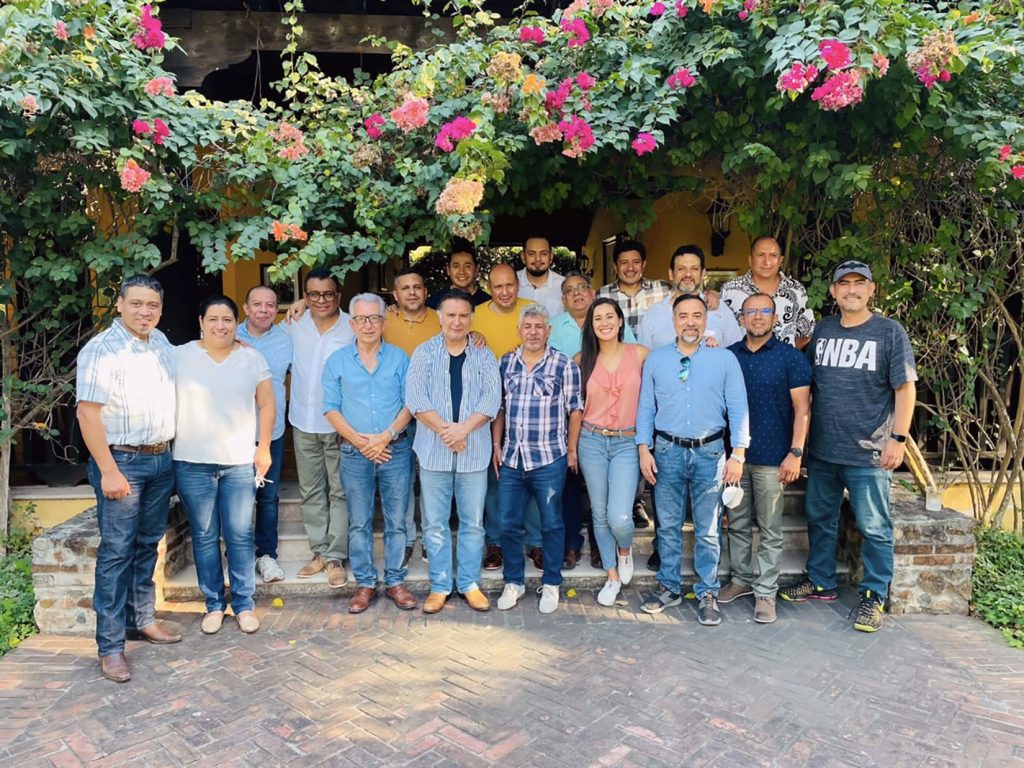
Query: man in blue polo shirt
x=778, y=382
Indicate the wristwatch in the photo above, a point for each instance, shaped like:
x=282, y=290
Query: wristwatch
x=798, y=452
x=738, y=459
x=898, y=438
x=394, y=435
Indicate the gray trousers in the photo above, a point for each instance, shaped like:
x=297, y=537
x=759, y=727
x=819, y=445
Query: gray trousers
x=324, y=512
x=762, y=504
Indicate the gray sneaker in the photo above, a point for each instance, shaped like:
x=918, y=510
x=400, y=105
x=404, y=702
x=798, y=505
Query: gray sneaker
x=708, y=613
x=732, y=590
x=764, y=610
x=268, y=568
x=664, y=598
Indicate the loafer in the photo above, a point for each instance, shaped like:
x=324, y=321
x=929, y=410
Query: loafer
x=477, y=600
x=361, y=600
x=247, y=622
x=434, y=603
x=493, y=559
x=212, y=622
x=572, y=557
x=337, y=575
x=312, y=568
x=115, y=667
x=401, y=597
x=537, y=558
x=158, y=633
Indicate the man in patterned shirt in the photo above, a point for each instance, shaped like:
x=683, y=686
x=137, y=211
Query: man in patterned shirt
x=541, y=408
x=633, y=292
x=794, y=322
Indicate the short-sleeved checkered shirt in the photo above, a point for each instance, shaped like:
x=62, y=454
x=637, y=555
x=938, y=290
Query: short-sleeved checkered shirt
x=134, y=382
x=537, y=403
x=633, y=307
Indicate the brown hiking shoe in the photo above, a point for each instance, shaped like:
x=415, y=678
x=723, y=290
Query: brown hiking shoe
x=312, y=568
x=764, y=610
x=732, y=590
x=337, y=576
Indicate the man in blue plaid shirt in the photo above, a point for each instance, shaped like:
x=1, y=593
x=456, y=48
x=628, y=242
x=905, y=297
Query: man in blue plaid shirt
x=541, y=407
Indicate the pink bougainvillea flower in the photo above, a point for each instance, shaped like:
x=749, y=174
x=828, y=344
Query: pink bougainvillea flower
x=411, y=115
x=657, y=9
x=944, y=76
x=585, y=81
x=880, y=63
x=682, y=9
x=150, y=34
x=681, y=78
x=926, y=76
x=133, y=176
x=160, y=86
x=1017, y=171
x=554, y=100
x=160, y=131
x=1004, y=152
x=60, y=30
x=796, y=79
x=140, y=128
x=456, y=130
x=841, y=89
x=578, y=133
x=644, y=143
x=577, y=31
x=293, y=140
x=531, y=35
x=29, y=106
x=459, y=197
x=835, y=54
x=374, y=125
x=744, y=14
x=545, y=134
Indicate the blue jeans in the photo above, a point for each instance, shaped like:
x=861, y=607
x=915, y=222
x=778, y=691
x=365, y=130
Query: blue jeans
x=611, y=466
x=361, y=478
x=267, y=503
x=218, y=499
x=492, y=517
x=694, y=474
x=469, y=490
x=130, y=529
x=869, y=489
x=544, y=484
x=572, y=510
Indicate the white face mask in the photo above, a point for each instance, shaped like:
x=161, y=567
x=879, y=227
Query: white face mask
x=732, y=496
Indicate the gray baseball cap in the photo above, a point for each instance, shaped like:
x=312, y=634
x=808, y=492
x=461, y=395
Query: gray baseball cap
x=852, y=268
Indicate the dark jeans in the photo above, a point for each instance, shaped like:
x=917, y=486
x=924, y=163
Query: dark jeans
x=515, y=487
x=267, y=503
x=130, y=529
x=572, y=510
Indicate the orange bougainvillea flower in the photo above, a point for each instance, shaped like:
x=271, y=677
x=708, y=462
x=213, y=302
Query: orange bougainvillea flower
x=280, y=230
x=533, y=84
x=707, y=5
x=284, y=232
x=89, y=33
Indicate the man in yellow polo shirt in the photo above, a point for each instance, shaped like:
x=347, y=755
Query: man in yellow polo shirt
x=497, y=320
x=412, y=322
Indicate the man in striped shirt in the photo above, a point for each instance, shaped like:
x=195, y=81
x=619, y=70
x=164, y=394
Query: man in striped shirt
x=541, y=407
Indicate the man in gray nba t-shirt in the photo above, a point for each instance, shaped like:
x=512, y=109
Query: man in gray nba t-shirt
x=862, y=402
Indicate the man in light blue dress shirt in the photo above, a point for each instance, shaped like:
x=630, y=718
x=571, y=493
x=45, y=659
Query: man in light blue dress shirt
x=687, y=395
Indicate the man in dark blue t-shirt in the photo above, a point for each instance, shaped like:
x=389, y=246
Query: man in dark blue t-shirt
x=778, y=382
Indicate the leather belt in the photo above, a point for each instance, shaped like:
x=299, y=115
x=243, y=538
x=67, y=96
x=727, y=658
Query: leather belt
x=150, y=450
x=628, y=432
x=685, y=442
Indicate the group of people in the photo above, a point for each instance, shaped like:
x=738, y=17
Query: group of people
x=505, y=405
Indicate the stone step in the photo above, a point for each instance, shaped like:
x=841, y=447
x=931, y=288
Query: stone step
x=182, y=587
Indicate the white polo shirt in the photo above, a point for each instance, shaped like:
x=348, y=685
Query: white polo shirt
x=310, y=350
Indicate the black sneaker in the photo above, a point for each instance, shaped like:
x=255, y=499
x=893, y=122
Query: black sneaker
x=665, y=598
x=869, y=613
x=407, y=558
x=640, y=517
x=805, y=589
x=654, y=561
x=708, y=613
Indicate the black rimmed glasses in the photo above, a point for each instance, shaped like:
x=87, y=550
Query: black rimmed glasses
x=316, y=296
x=684, y=372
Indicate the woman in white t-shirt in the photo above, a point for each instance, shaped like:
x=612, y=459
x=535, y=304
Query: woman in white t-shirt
x=220, y=386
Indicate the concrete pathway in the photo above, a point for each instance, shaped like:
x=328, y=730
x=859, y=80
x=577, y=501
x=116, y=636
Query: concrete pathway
x=587, y=686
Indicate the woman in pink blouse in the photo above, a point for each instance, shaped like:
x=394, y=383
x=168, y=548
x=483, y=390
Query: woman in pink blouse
x=607, y=449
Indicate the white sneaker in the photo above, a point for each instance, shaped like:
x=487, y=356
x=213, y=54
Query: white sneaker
x=625, y=567
x=510, y=596
x=609, y=592
x=548, y=598
x=269, y=569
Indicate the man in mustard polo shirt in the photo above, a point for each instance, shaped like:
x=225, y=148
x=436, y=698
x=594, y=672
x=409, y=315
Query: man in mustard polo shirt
x=412, y=322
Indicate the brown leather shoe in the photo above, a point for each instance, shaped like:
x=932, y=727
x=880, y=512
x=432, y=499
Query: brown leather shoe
x=158, y=633
x=493, y=559
x=361, y=600
x=595, y=559
x=337, y=575
x=572, y=557
x=115, y=667
x=401, y=596
x=537, y=558
x=312, y=568
x=477, y=600
x=434, y=603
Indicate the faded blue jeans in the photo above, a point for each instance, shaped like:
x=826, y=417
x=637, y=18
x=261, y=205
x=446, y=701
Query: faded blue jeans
x=611, y=467
x=870, y=489
x=469, y=490
x=361, y=478
x=516, y=486
x=130, y=529
x=218, y=499
x=694, y=473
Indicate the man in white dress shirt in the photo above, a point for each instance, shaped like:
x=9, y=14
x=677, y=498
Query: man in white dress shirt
x=537, y=281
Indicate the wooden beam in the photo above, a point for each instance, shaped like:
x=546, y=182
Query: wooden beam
x=214, y=40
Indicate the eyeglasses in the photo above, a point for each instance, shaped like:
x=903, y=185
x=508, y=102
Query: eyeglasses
x=321, y=295
x=575, y=290
x=762, y=311
x=364, y=319
x=684, y=372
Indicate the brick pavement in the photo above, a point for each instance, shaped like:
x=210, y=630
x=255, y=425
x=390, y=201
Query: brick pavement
x=587, y=686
